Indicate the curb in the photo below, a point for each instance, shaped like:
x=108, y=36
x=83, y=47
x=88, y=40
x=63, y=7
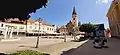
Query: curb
x=5, y=40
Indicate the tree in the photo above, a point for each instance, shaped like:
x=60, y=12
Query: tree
x=79, y=24
x=88, y=27
x=75, y=32
x=19, y=8
x=57, y=30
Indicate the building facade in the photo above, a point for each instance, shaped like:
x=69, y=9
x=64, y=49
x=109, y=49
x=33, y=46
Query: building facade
x=114, y=18
x=32, y=27
x=71, y=24
x=63, y=30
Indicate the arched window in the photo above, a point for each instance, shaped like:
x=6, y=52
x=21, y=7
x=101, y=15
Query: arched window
x=73, y=18
x=2, y=25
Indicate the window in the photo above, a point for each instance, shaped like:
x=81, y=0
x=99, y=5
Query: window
x=15, y=27
x=73, y=18
x=47, y=28
x=2, y=25
x=21, y=27
x=30, y=27
x=99, y=32
x=39, y=28
x=118, y=28
x=0, y=31
x=74, y=22
x=35, y=27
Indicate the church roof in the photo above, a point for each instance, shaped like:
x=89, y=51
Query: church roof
x=74, y=11
x=63, y=27
x=69, y=24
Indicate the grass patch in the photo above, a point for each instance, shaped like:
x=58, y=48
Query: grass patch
x=26, y=52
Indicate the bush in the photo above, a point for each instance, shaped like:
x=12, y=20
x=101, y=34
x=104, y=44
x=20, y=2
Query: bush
x=28, y=52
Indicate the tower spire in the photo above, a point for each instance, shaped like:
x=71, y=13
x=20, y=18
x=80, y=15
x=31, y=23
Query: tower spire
x=74, y=11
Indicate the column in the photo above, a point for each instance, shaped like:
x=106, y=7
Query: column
x=5, y=32
x=8, y=31
x=11, y=32
x=17, y=32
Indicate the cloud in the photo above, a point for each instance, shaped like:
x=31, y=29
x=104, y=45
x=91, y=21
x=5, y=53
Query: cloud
x=102, y=1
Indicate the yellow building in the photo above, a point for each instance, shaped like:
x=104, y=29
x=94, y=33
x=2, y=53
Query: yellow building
x=114, y=18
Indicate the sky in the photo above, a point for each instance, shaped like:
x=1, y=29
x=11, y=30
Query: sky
x=59, y=12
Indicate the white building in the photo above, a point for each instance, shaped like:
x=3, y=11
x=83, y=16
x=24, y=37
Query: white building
x=32, y=27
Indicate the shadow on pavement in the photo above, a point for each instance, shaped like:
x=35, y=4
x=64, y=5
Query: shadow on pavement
x=71, y=50
x=26, y=46
x=81, y=39
x=85, y=49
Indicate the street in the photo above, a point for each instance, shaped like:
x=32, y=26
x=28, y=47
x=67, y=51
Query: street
x=88, y=49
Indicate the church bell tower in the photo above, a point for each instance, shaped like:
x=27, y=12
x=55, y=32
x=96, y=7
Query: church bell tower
x=74, y=18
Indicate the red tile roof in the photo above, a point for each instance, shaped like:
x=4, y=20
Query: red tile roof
x=63, y=27
x=30, y=21
x=43, y=23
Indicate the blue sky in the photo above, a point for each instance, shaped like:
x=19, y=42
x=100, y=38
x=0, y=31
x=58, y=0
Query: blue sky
x=59, y=12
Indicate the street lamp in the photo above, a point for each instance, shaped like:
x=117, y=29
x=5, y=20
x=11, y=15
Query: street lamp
x=37, y=43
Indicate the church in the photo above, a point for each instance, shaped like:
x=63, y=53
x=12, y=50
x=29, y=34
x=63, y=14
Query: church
x=68, y=28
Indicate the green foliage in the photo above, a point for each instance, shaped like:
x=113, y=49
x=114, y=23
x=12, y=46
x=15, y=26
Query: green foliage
x=88, y=27
x=57, y=30
x=79, y=24
x=75, y=31
x=28, y=52
x=28, y=6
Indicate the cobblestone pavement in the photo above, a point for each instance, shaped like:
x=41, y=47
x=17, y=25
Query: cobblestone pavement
x=51, y=46
x=10, y=46
x=88, y=49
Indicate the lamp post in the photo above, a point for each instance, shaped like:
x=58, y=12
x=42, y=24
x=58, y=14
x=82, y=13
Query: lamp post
x=37, y=43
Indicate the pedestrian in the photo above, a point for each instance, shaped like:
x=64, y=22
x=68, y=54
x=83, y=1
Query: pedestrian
x=97, y=42
x=107, y=33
